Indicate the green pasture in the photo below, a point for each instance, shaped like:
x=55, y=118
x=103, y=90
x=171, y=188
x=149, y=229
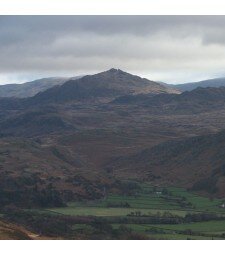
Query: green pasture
x=104, y=212
x=148, y=201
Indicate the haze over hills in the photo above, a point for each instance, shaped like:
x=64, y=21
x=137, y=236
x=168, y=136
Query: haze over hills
x=31, y=88
x=215, y=83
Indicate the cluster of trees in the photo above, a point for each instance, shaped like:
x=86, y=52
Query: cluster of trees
x=29, y=198
x=91, y=190
x=169, y=218
x=197, y=217
x=28, y=192
x=42, y=224
x=137, y=217
x=128, y=188
x=119, y=205
x=207, y=184
x=63, y=226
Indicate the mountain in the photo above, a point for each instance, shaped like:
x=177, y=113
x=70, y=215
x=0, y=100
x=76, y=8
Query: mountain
x=31, y=88
x=188, y=102
x=215, y=83
x=35, y=116
x=102, y=86
x=196, y=162
x=79, y=138
x=31, y=171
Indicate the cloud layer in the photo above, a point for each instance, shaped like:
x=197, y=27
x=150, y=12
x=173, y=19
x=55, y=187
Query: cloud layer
x=168, y=48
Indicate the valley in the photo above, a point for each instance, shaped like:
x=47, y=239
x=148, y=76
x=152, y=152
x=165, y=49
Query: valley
x=142, y=212
x=114, y=156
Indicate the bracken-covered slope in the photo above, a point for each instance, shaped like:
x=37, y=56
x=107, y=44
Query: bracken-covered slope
x=197, y=163
x=40, y=173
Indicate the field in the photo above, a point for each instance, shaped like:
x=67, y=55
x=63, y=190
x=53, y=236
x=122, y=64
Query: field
x=177, y=201
x=159, y=203
x=102, y=211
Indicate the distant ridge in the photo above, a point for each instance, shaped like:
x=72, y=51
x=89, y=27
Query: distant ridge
x=214, y=83
x=31, y=88
x=188, y=102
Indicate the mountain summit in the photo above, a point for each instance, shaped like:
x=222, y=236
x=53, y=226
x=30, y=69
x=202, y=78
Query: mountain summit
x=106, y=85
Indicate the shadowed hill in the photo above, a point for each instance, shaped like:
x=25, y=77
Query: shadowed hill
x=190, y=102
x=197, y=162
x=106, y=85
x=218, y=82
x=101, y=87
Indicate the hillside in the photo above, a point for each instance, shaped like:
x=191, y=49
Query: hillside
x=214, y=83
x=196, y=162
x=59, y=141
x=9, y=231
x=29, y=89
x=103, y=86
x=190, y=102
x=13, y=231
x=39, y=173
x=113, y=79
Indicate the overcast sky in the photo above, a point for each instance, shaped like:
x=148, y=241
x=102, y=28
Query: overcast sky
x=172, y=49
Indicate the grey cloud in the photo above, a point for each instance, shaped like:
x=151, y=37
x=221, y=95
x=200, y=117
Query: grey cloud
x=157, y=46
